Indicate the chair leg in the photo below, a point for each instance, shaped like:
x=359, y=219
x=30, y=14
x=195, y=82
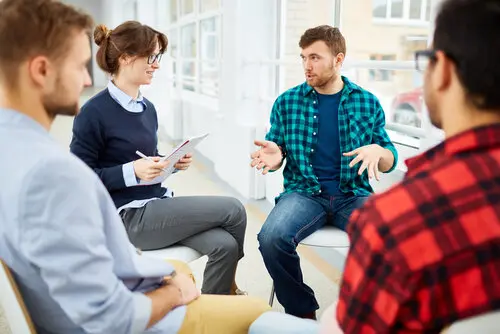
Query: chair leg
x=271, y=297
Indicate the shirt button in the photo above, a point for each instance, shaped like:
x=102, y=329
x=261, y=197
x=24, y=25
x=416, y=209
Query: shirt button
x=312, y=149
x=314, y=116
x=310, y=165
x=314, y=102
x=319, y=191
x=314, y=133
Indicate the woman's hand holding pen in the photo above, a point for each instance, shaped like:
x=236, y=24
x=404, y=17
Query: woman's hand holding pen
x=148, y=169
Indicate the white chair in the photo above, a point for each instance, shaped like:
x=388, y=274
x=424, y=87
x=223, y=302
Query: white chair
x=488, y=323
x=12, y=303
x=329, y=237
x=176, y=252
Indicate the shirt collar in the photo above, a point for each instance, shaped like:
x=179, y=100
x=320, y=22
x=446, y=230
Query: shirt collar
x=348, y=87
x=122, y=97
x=476, y=139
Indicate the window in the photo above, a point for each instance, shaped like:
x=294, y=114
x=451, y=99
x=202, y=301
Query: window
x=381, y=75
x=188, y=52
x=187, y=7
x=397, y=9
x=209, y=54
x=173, y=11
x=398, y=28
x=401, y=10
x=199, y=27
x=173, y=49
x=208, y=5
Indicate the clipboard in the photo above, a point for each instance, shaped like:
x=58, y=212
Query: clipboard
x=177, y=153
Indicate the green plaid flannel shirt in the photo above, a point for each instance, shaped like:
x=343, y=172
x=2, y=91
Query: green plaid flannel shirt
x=294, y=124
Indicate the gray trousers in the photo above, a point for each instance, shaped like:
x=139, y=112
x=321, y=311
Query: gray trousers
x=212, y=225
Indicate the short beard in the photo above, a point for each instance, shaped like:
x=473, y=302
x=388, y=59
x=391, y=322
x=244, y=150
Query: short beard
x=322, y=82
x=53, y=107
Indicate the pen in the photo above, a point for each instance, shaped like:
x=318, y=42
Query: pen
x=142, y=155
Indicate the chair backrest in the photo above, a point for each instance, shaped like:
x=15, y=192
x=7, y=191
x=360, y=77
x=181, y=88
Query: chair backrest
x=488, y=323
x=13, y=305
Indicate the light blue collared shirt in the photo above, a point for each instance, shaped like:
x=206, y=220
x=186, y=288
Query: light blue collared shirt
x=64, y=241
x=132, y=105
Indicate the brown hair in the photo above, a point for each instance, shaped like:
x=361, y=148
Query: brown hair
x=130, y=38
x=36, y=27
x=328, y=34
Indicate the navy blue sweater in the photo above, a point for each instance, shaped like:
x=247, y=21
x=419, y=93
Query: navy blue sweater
x=106, y=136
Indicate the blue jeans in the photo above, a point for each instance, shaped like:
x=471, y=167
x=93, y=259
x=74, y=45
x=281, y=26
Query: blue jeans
x=295, y=217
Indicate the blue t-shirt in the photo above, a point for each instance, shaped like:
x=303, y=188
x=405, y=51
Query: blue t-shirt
x=326, y=160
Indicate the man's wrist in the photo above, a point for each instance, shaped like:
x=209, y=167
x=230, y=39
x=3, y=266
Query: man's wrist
x=283, y=153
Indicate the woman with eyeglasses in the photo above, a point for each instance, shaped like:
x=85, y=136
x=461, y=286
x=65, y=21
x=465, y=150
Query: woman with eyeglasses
x=116, y=123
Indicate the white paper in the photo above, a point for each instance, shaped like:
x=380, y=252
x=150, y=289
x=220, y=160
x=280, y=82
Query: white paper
x=177, y=153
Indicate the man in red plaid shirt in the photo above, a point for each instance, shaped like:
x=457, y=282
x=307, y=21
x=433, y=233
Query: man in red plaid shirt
x=427, y=252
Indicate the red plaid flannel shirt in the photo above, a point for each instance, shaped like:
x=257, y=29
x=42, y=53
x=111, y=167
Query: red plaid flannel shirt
x=427, y=252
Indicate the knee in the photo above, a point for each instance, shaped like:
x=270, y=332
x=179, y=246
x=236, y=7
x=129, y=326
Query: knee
x=237, y=212
x=226, y=247
x=271, y=239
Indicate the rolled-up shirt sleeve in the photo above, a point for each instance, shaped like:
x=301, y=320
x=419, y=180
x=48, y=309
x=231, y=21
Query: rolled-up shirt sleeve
x=64, y=239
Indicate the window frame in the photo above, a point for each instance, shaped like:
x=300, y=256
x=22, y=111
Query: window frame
x=199, y=85
x=423, y=21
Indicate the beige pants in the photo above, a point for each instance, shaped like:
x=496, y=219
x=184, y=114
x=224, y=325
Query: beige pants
x=216, y=314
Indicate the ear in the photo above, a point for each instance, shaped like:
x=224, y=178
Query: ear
x=442, y=72
x=339, y=58
x=124, y=60
x=39, y=69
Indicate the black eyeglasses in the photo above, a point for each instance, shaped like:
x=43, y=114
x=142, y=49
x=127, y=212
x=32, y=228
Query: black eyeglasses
x=422, y=59
x=153, y=58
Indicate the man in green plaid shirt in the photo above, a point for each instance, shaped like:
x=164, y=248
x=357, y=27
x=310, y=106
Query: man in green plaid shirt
x=331, y=134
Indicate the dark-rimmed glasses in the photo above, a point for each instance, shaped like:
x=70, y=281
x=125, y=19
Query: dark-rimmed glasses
x=422, y=59
x=153, y=58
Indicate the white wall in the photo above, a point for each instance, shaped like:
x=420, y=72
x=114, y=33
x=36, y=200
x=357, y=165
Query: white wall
x=97, y=9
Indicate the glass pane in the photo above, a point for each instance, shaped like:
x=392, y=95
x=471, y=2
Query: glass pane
x=400, y=95
x=187, y=7
x=206, y=5
x=188, y=52
x=397, y=9
x=173, y=11
x=209, y=38
x=416, y=9
x=428, y=10
x=188, y=41
x=379, y=8
x=411, y=44
x=173, y=44
x=188, y=74
x=381, y=75
x=209, y=48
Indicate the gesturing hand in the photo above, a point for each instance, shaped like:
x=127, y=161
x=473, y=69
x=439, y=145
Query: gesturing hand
x=370, y=155
x=268, y=157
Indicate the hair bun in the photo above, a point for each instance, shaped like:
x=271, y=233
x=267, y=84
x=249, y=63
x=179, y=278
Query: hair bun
x=101, y=32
